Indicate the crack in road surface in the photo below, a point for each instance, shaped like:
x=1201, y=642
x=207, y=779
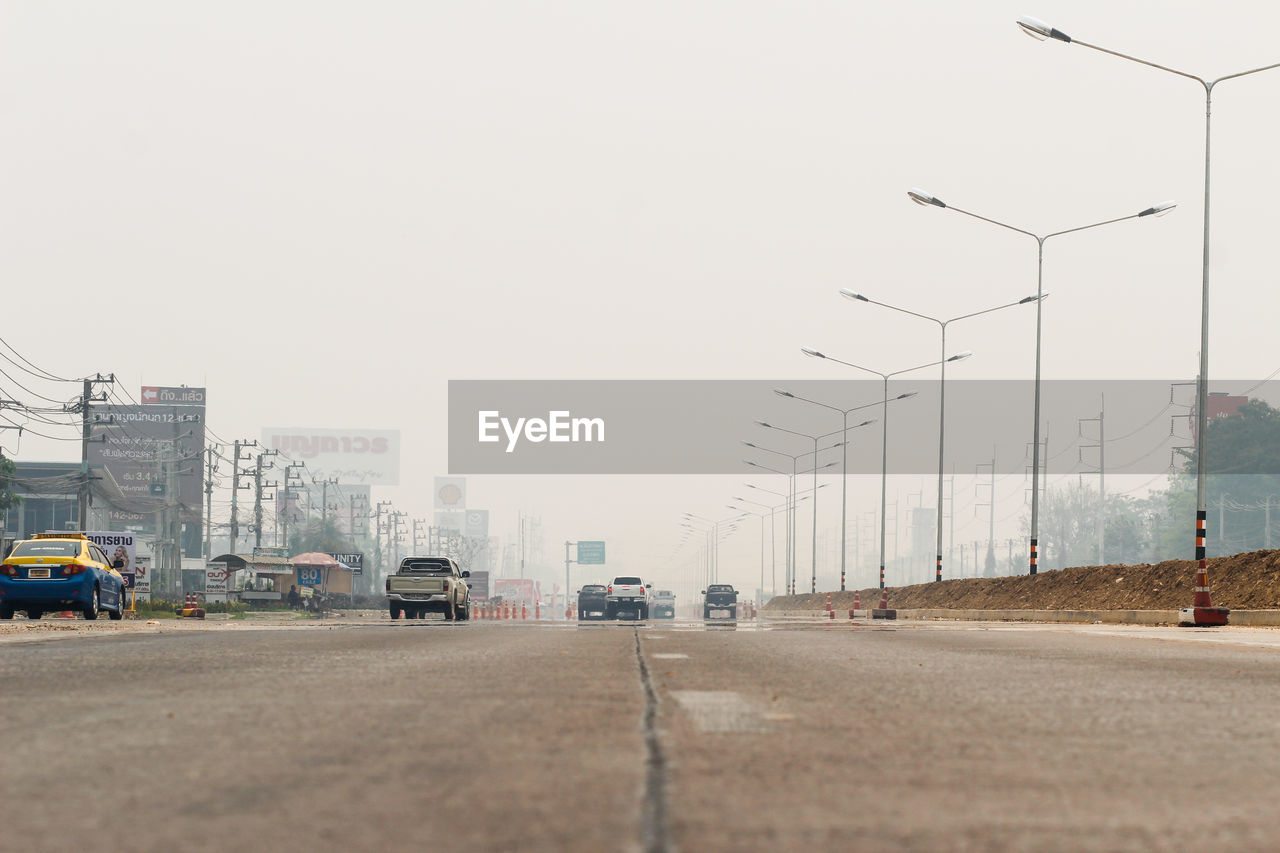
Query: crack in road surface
x=655, y=834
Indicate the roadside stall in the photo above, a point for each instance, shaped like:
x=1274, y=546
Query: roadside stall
x=323, y=574
x=260, y=578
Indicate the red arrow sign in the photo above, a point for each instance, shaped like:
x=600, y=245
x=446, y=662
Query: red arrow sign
x=150, y=394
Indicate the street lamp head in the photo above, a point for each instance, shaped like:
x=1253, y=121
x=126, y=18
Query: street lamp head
x=849, y=294
x=960, y=356
x=781, y=393
x=865, y=423
x=1040, y=31
x=748, y=444
x=1024, y=300
x=921, y=197
x=763, y=424
x=1159, y=209
x=812, y=353
x=906, y=394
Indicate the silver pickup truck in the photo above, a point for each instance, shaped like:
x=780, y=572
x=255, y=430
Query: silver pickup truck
x=429, y=585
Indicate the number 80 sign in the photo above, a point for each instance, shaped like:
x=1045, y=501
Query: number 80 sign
x=309, y=575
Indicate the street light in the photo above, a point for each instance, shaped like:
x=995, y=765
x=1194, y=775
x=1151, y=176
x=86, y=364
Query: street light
x=844, y=467
x=884, y=434
x=921, y=197
x=813, y=577
x=773, y=544
x=1202, y=612
x=942, y=385
x=791, y=537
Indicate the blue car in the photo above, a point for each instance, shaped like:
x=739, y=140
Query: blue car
x=60, y=571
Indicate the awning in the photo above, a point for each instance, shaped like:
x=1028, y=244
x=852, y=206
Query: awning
x=261, y=565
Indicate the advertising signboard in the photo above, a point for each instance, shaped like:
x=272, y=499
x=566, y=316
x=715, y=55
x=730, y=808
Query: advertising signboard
x=477, y=524
x=519, y=590
x=215, y=582
x=140, y=445
x=369, y=456
x=270, y=551
x=310, y=576
x=355, y=561
x=180, y=395
x=451, y=493
x=479, y=583
x=591, y=553
x=142, y=578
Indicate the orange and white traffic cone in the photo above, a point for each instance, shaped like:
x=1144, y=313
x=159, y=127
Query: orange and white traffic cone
x=524, y=611
x=884, y=599
x=537, y=611
x=1202, y=613
x=857, y=604
x=829, y=603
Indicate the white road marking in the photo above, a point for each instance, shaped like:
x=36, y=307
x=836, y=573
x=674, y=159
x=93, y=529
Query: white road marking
x=720, y=711
x=668, y=656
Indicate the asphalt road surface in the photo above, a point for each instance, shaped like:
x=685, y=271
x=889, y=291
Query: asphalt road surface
x=372, y=735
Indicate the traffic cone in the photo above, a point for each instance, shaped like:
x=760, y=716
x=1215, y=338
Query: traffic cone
x=884, y=599
x=524, y=611
x=857, y=604
x=1202, y=612
x=829, y=610
x=537, y=611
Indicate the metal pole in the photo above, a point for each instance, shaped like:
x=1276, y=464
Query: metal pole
x=1035, y=430
x=813, y=577
x=844, y=492
x=942, y=426
x=884, y=471
x=1202, y=386
x=1102, y=484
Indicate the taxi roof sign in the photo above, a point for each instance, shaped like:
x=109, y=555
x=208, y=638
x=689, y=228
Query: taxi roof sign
x=59, y=536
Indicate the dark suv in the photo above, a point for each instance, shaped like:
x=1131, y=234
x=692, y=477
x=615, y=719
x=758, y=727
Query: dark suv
x=720, y=603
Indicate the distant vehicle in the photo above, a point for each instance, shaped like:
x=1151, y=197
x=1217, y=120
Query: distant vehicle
x=664, y=604
x=628, y=597
x=60, y=571
x=593, y=601
x=429, y=585
x=720, y=603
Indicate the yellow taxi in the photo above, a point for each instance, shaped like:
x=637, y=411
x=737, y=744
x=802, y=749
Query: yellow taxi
x=60, y=571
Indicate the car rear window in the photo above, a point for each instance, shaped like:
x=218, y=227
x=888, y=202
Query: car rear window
x=626, y=580
x=593, y=588
x=38, y=548
x=720, y=587
x=426, y=566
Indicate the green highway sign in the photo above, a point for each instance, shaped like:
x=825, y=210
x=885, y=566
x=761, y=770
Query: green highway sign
x=591, y=553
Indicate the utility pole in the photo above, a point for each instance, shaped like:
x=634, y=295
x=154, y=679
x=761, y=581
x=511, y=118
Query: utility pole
x=257, y=494
x=324, y=499
x=211, y=466
x=990, y=569
x=283, y=510
x=236, y=459
x=87, y=397
x=1102, y=476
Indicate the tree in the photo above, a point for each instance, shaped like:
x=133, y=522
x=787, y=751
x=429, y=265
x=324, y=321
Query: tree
x=8, y=497
x=1243, y=478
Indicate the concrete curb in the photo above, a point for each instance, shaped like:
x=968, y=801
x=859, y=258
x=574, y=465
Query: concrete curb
x=1120, y=617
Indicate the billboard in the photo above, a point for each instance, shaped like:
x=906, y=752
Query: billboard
x=354, y=560
x=449, y=521
x=215, y=581
x=365, y=456
x=451, y=493
x=140, y=445
x=181, y=395
x=519, y=590
x=479, y=585
x=477, y=524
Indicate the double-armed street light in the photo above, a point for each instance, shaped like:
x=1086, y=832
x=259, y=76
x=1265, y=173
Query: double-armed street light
x=884, y=422
x=921, y=197
x=844, y=465
x=813, y=578
x=942, y=385
x=791, y=563
x=1203, y=612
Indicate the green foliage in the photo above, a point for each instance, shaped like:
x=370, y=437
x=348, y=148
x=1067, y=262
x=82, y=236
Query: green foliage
x=8, y=498
x=1243, y=479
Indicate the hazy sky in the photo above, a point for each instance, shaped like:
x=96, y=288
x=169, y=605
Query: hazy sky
x=324, y=211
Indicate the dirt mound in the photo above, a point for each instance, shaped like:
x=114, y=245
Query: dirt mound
x=1249, y=581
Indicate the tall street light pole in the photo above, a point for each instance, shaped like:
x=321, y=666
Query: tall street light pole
x=791, y=580
x=923, y=198
x=942, y=386
x=884, y=434
x=844, y=466
x=813, y=577
x=1202, y=611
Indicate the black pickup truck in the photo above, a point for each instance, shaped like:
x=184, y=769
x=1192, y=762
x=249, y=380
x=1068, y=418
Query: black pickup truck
x=591, y=602
x=720, y=603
